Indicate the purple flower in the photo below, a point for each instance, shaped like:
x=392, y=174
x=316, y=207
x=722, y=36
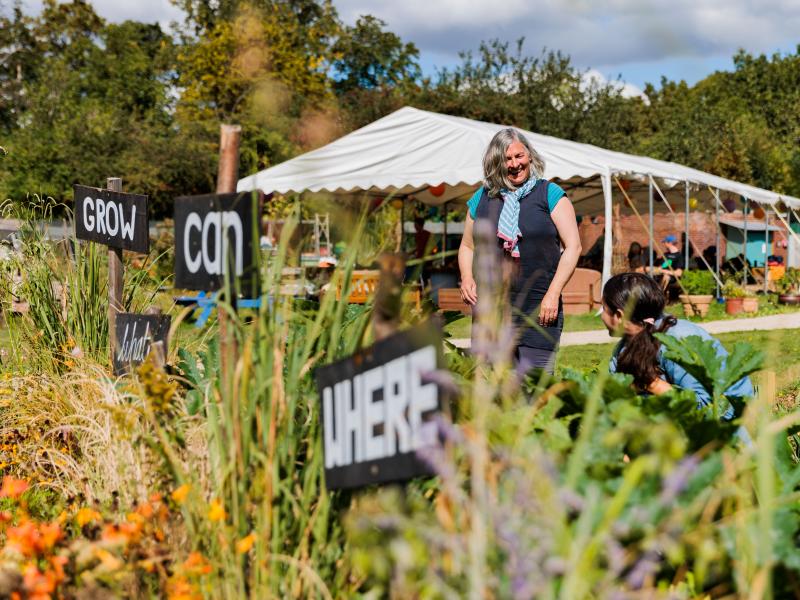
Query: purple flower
x=678, y=479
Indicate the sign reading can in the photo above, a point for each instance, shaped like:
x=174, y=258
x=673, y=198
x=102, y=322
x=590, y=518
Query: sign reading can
x=115, y=219
x=216, y=236
x=378, y=409
x=135, y=335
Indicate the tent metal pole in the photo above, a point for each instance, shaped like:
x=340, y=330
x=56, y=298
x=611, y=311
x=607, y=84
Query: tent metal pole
x=744, y=269
x=766, y=251
x=650, y=213
x=444, y=234
x=686, y=241
x=608, y=247
x=717, y=241
x=402, y=224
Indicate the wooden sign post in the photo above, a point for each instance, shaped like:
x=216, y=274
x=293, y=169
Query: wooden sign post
x=216, y=243
x=116, y=278
x=116, y=220
x=378, y=410
x=136, y=335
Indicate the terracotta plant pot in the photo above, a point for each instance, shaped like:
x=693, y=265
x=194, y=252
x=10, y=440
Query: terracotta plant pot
x=789, y=298
x=733, y=306
x=750, y=305
x=696, y=305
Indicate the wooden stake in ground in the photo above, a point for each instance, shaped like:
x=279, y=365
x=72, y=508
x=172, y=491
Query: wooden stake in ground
x=227, y=176
x=388, y=296
x=115, y=278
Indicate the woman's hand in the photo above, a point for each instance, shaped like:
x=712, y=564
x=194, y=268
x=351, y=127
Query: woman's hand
x=548, y=310
x=469, y=291
x=658, y=386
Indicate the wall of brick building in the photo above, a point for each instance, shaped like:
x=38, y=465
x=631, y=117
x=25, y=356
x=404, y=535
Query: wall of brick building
x=702, y=231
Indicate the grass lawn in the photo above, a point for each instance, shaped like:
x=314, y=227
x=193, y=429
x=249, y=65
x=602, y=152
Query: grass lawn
x=781, y=347
x=768, y=305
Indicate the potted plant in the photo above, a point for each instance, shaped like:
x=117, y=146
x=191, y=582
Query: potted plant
x=734, y=297
x=788, y=287
x=698, y=286
x=749, y=302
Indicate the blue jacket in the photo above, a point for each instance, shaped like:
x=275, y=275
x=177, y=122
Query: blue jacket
x=677, y=375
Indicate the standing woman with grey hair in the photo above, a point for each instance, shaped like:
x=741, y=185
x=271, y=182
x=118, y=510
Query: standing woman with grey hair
x=537, y=236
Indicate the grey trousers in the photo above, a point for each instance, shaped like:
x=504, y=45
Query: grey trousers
x=526, y=358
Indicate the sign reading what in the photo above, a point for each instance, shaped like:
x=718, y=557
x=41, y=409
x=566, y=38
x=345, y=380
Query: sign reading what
x=216, y=237
x=378, y=408
x=135, y=335
x=112, y=218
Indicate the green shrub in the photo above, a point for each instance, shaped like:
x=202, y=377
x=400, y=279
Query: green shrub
x=698, y=282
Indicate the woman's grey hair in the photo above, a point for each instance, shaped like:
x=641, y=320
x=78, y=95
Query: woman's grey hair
x=495, y=173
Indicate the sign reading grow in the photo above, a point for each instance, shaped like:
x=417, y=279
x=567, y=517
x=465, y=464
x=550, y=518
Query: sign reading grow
x=378, y=408
x=216, y=237
x=135, y=335
x=114, y=219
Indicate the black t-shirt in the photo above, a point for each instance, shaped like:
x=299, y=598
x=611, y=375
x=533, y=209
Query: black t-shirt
x=676, y=259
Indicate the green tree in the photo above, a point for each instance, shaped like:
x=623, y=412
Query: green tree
x=374, y=70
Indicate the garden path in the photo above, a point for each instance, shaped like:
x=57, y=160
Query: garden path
x=767, y=323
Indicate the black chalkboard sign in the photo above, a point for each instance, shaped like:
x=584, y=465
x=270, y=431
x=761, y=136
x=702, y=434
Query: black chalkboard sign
x=378, y=408
x=135, y=335
x=115, y=219
x=217, y=235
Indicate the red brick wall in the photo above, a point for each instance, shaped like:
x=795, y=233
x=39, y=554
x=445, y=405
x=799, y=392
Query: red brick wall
x=702, y=231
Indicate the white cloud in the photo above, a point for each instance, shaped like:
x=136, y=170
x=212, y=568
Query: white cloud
x=595, y=34
x=116, y=11
x=628, y=90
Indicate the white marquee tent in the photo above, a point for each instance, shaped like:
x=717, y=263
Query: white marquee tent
x=411, y=150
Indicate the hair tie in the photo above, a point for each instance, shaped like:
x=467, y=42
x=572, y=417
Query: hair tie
x=650, y=320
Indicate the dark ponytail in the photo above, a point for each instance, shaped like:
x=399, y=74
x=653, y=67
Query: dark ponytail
x=642, y=301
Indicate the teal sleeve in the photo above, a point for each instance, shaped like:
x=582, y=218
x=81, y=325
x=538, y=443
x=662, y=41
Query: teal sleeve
x=554, y=194
x=472, y=203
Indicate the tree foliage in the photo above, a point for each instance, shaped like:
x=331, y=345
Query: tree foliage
x=82, y=99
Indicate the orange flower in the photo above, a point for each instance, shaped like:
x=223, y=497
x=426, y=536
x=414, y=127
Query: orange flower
x=112, y=534
x=22, y=539
x=49, y=534
x=216, y=511
x=38, y=584
x=12, y=488
x=180, y=494
x=146, y=510
x=87, y=515
x=195, y=564
x=181, y=589
x=243, y=545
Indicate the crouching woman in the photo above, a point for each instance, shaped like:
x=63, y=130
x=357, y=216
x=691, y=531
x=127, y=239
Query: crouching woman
x=633, y=307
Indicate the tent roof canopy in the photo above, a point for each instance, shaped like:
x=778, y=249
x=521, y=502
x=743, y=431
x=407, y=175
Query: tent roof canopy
x=410, y=150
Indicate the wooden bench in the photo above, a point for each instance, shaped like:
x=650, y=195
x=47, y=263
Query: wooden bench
x=363, y=284
x=450, y=299
x=583, y=292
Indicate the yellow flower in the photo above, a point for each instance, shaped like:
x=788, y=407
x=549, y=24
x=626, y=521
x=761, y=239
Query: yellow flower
x=216, y=511
x=87, y=515
x=243, y=545
x=179, y=495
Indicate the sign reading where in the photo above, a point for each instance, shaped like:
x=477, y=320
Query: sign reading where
x=135, y=335
x=378, y=409
x=114, y=219
x=215, y=237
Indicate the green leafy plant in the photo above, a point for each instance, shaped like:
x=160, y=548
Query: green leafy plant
x=790, y=282
x=698, y=282
x=731, y=289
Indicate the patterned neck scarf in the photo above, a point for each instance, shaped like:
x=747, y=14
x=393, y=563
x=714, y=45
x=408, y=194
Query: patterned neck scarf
x=508, y=225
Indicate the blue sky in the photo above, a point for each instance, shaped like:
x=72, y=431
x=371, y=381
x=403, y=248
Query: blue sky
x=639, y=40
